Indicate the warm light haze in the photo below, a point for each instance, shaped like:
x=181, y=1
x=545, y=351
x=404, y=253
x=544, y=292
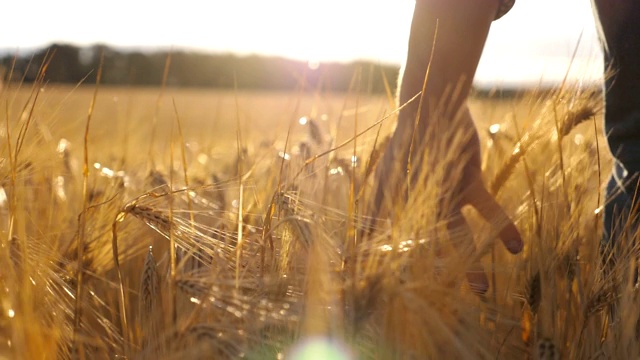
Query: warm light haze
x=533, y=44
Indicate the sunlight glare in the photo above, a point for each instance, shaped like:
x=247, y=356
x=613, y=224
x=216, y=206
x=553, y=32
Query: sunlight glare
x=313, y=64
x=63, y=145
x=319, y=348
x=284, y=155
x=3, y=197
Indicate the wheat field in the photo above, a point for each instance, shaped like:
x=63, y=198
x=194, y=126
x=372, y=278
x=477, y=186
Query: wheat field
x=169, y=223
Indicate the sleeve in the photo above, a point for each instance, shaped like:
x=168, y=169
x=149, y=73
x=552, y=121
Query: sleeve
x=505, y=6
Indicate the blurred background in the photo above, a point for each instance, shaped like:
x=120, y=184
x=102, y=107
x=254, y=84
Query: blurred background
x=273, y=44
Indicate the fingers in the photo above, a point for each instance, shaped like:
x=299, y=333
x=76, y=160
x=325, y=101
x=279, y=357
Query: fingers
x=389, y=177
x=462, y=239
x=477, y=196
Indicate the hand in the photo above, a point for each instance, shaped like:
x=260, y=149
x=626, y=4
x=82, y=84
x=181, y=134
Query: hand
x=445, y=154
x=445, y=44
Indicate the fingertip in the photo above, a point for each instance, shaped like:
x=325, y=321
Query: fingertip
x=511, y=239
x=515, y=246
x=490, y=210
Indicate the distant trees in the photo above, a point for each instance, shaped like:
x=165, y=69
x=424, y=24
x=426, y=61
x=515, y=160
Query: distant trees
x=70, y=64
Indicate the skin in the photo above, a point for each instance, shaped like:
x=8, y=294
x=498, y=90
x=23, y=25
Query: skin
x=462, y=28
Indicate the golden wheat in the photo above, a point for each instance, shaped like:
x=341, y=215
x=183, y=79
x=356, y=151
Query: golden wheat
x=396, y=291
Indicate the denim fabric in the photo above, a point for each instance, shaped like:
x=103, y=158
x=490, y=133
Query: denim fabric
x=620, y=195
x=620, y=22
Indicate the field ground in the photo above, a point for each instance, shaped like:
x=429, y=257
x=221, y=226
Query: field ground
x=259, y=260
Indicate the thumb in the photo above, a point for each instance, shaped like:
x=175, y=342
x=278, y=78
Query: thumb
x=479, y=198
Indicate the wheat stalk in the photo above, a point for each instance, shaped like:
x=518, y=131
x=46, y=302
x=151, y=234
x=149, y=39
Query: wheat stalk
x=533, y=292
x=588, y=106
x=210, y=341
x=603, y=296
x=365, y=297
x=150, y=300
x=546, y=350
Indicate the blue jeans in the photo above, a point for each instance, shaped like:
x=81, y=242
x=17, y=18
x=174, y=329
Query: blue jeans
x=620, y=24
x=620, y=210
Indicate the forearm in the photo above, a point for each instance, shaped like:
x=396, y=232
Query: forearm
x=447, y=37
x=459, y=29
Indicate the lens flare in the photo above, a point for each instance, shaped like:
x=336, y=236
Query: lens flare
x=319, y=348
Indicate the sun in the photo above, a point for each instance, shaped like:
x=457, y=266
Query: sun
x=318, y=31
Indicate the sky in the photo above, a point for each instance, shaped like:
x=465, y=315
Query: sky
x=532, y=44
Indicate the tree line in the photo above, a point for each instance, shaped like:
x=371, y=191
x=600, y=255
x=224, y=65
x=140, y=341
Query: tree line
x=72, y=65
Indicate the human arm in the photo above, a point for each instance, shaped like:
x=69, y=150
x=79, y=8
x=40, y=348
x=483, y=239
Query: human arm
x=446, y=41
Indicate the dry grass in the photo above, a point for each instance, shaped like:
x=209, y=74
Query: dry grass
x=261, y=274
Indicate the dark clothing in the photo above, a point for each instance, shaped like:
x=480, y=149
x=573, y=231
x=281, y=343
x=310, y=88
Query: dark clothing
x=505, y=6
x=619, y=20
